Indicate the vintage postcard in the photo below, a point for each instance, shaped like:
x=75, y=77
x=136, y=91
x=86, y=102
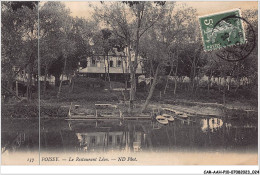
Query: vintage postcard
x=129, y=83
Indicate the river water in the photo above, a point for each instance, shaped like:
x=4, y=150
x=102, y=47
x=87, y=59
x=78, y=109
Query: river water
x=215, y=134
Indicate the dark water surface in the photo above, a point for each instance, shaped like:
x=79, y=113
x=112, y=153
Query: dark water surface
x=193, y=134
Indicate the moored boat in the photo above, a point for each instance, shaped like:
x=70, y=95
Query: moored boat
x=175, y=113
x=161, y=119
x=181, y=114
x=168, y=117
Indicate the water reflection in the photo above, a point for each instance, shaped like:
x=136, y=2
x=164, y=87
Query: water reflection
x=22, y=135
x=109, y=141
x=211, y=124
x=193, y=134
x=96, y=136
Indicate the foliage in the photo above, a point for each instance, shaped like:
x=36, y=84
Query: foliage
x=19, y=37
x=162, y=35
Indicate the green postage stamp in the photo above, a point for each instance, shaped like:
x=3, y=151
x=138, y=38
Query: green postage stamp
x=222, y=29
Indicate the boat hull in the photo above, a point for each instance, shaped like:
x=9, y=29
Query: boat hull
x=168, y=117
x=161, y=119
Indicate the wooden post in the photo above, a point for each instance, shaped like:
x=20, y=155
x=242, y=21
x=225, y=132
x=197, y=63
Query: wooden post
x=16, y=87
x=62, y=140
x=69, y=113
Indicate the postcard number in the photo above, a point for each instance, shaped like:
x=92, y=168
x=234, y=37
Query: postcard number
x=30, y=160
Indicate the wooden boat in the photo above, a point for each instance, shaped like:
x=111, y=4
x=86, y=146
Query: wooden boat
x=181, y=114
x=176, y=113
x=168, y=117
x=161, y=119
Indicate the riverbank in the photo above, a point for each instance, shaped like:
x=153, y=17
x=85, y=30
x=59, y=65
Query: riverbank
x=203, y=103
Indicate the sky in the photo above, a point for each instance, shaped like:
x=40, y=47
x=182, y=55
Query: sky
x=82, y=9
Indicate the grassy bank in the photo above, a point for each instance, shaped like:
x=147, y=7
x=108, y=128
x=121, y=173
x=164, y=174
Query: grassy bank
x=204, y=102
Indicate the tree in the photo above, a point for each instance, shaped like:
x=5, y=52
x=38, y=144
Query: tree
x=130, y=21
x=246, y=68
x=250, y=68
x=176, y=29
x=163, y=43
x=102, y=47
x=57, y=39
x=82, y=35
x=156, y=54
x=52, y=21
x=19, y=40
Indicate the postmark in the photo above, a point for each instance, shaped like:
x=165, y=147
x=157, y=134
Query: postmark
x=225, y=34
x=240, y=50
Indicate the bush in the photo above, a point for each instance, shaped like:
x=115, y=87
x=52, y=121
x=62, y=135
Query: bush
x=141, y=86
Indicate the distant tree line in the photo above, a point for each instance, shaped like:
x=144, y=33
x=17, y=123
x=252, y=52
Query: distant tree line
x=165, y=34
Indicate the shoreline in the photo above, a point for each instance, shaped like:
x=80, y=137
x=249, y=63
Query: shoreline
x=192, y=108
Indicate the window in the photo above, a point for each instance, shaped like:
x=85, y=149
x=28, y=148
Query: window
x=93, y=140
x=118, y=63
x=98, y=64
x=118, y=140
x=93, y=62
x=111, y=63
x=110, y=140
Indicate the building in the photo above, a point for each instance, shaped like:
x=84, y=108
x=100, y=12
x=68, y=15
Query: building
x=116, y=63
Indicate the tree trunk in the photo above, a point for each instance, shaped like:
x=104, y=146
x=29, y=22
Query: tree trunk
x=151, y=90
x=72, y=82
x=45, y=77
x=16, y=88
x=238, y=84
x=133, y=66
x=105, y=68
x=123, y=70
x=209, y=80
x=175, y=78
x=108, y=72
x=132, y=90
x=36, y=82
x=126, y=76
x=11, y=92
x=29, y=82
x=224, y=92
x=175, y=86
x=167, y=80
x=219, y=84
x=192, y=76
x=197, y=85
x=64, y=68
x=57, y=80
x=132, y=80
x=10, y=78
x=224, y=96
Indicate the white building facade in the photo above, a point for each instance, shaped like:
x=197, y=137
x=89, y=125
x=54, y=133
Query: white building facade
x=116, y=64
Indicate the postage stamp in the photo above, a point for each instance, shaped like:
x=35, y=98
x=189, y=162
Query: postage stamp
x=222, y=29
